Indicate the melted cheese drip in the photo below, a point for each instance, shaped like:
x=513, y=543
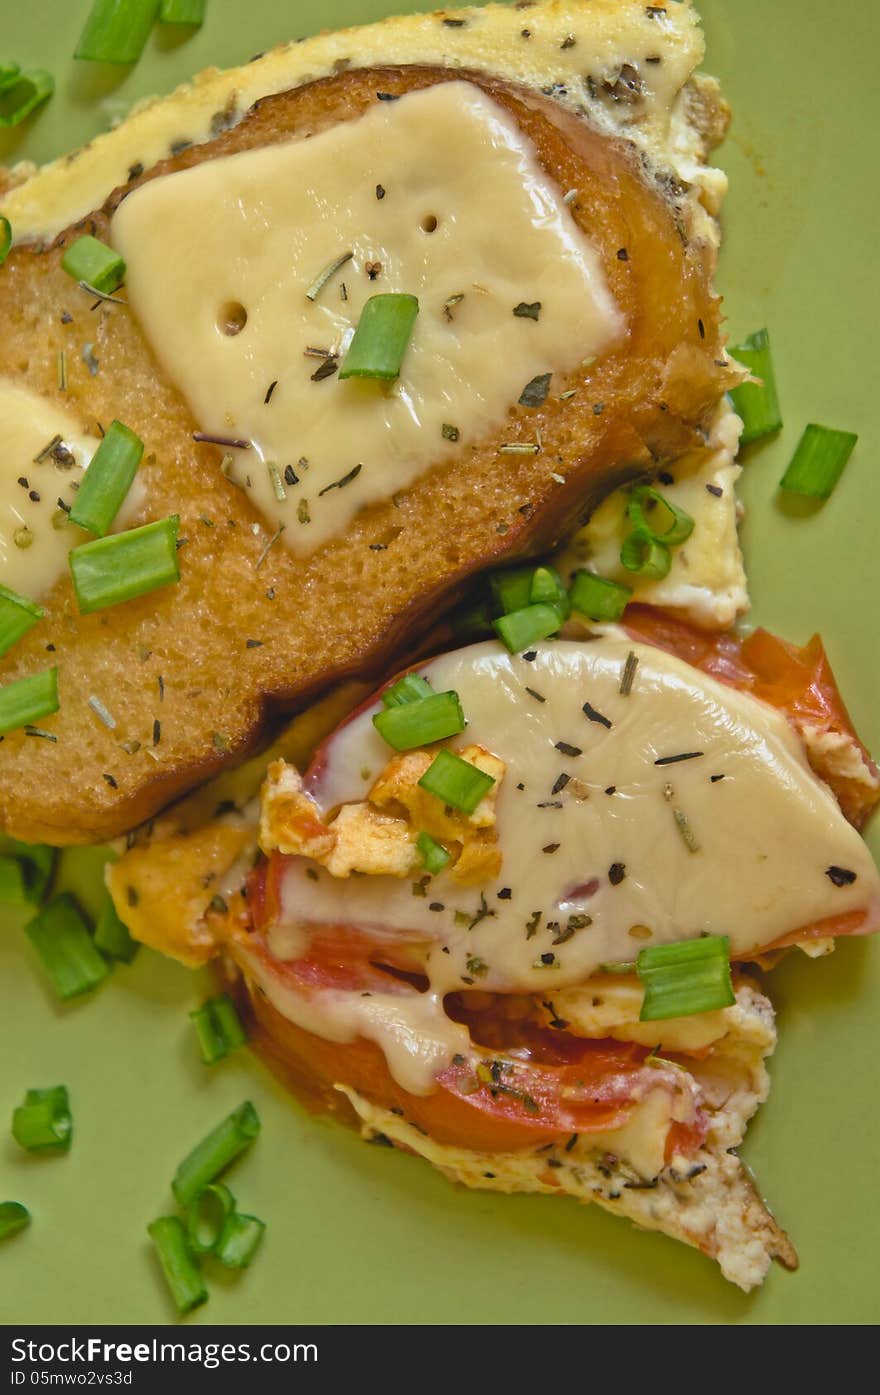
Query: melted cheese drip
x=28, y=423
x=465, y=211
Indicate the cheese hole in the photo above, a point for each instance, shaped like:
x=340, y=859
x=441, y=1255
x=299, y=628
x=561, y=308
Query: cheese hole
x=231, y=318
x=429, y=223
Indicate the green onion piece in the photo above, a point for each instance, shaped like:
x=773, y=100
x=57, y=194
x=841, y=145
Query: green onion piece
x=456, y=781
x=207, y=1215
x=111, y=935
x=118, y=568
x=24, y=94
x=818, y=462
x=60, y=936
x=512, y=589
x=757, y=404
x=13, y=1217
x=410, y=688
x=92, y=261
x=381, y=337
x=686, y=978
x=108, y=479
x=651, y=513
x=179, y=1265
x=44, y=1121
x=12, y=887
x=419, y=723
x=116, y=31
x=8, y=73
x=597, y=597
x=5, y=238
x=547, y=586
x=646, y=556
x=17, y=616
x=35, y=862
x=190, y=12
x=521, y=628
x=28, y=699
x=218, y=1028
x=215, y=1152
x=239, y=1239
x=433, y=854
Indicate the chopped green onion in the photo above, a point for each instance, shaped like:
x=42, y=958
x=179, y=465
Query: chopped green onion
x=239, y=1239
x=116, y=31
x=179, y=1265
x=190, y=12
x=456, y=781
x=61, y=938
x=36, y=863
x=651, y=513
x=108, y=479
x=5, y=238
x=410, y=688
x=646, y=556
x=512, y=589
x=111, y=935
x=433, y=854
x=23, y=94
x=521, y=628
x=381, y=337
x=44, y=1121
x=13, y=1217
x=818, y=462
x=757, y=404
x=419, y=723
x=8, y=73
x=218, y=1028
x=92, y=261
x=28, y=699
x=12, y=887
x=17, y=616
x=685, y=978
x=124, y=565
x=597, y=597
x=547, y=586
x=215, y=1152
x=207, y=1215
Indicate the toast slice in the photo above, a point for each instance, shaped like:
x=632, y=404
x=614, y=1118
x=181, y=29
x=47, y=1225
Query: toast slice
x=193, y=675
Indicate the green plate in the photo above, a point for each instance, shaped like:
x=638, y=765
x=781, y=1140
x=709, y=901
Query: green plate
x=359, y=1234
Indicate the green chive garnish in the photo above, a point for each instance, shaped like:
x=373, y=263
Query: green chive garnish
x=21, y=93
x=116, y=31
x=5, y=238
x=651, y=513
x=547, y=586
x=215, y=1152
x=419, y=723
x=512, y=589
x=523, y=627
x=206, y=1216
x=597, y=597
x=686, y=978
x=645, y=556
x=411, y=688
x=381, y=337
x=17, y=616
x=239, y=1240
x=28, y=699
x=191, y=12
x=757, y=405
x=179, y=1265
x=61, y=938
x=34, y=863
x=107, y=480
x=124, y=565
x=92, y=261
x=111, y=935
x=44, y=1121
x=456, y=781
x=218, y=1028
x=818, y=462
x=13, y=1217
x=432, y=853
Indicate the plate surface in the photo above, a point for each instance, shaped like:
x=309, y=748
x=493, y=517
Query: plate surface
x=359, y=1234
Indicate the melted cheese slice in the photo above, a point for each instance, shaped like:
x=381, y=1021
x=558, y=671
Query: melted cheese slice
x=437, y=194
x=34, y=538
x=765, y=833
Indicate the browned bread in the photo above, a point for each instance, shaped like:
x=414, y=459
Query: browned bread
x=188, y=693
